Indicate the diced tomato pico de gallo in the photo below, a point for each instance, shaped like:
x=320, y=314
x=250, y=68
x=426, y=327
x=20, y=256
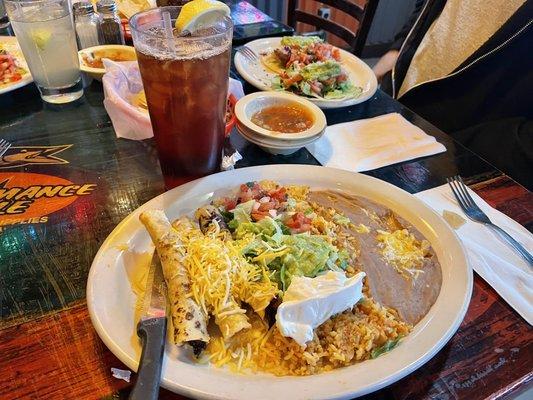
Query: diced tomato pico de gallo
x=9, y=70
x=268, y=203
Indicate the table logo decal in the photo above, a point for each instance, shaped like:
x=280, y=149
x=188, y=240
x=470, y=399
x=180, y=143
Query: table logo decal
x=18, y=156
x=29, y=198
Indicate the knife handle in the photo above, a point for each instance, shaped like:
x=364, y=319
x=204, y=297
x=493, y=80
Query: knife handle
x=152, y=333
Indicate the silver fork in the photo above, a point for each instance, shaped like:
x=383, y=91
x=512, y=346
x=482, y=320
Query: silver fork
x=248, y=53
x=4, y=146
x=473, y=212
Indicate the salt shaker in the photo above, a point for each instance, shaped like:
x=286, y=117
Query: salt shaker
x=86, y=24
x=110, y=28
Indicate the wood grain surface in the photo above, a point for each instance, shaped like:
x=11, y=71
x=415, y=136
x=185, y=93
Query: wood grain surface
x=48, y=347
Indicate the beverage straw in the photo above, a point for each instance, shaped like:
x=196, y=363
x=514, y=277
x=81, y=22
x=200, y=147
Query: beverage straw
x=167, y=24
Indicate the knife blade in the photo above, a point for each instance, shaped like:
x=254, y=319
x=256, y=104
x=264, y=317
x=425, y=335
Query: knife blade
x=152, y=329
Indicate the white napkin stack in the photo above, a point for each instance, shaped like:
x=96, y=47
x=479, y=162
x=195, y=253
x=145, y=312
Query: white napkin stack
x=490, y=256
x=373, y=143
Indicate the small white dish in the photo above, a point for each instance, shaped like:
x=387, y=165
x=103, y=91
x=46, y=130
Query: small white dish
x=277, y=143
x=98, y=73
x=252, y=103
x=275, y=147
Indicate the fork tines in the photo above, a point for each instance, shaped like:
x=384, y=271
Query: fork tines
x=459, y=190
x=248, y=53
x=472, y=211
x=465, y=200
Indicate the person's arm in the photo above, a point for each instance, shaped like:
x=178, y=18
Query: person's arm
x=387, y=61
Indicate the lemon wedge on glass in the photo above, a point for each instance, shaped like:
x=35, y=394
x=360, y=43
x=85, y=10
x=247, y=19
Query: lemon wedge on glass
x=41, y=37
x=198, y=14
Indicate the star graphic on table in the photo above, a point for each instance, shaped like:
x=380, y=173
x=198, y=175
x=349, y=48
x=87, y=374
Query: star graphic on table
x=18, y=156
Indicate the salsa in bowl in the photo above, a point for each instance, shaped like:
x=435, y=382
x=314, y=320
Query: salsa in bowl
x=282, y=117
x=91, y=58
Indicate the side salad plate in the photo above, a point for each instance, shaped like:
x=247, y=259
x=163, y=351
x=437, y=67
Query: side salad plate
x=14, y=72
x=328, y=76
x=284, y=281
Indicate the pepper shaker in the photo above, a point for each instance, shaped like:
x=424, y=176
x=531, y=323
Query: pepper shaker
x=110, y=28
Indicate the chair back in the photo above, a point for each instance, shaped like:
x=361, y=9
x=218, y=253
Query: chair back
x=354, y=39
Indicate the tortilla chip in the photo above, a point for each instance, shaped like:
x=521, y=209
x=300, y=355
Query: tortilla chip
x=272, y=62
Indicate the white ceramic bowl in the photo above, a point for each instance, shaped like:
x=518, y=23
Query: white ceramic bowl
x=98, y=73
x=275, y=147
x=249, y=105
x=276, y=143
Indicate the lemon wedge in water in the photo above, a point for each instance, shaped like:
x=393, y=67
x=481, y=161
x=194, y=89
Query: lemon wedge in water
x=41, y=37
x=198, y=14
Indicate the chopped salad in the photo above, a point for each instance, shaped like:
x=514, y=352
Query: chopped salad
x=308, y=66
x=277, y=230
x=10, y=70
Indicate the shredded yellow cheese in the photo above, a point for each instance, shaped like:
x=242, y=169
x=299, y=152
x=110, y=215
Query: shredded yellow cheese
x=298, y=192
x=221, y=278
x=361, y=228
x=401, y=250
x=243, y=349
x=268, y=185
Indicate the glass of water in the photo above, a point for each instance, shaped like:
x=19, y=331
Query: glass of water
x=46, y=35
x=4, y=21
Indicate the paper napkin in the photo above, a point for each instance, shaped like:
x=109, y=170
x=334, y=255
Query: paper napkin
x=490, y=256
x=373, y=143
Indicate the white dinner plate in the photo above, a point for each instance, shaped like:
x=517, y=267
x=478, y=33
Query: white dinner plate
x=111, y=300
x=259, y=76
x=11, y=44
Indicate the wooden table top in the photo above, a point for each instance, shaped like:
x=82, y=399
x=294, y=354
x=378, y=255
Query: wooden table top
x=48, y=346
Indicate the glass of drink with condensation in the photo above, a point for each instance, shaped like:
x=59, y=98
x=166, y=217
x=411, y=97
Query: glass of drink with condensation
x=185, y=78
x=46, y=35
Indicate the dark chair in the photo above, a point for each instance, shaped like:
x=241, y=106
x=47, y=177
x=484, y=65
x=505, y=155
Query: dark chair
x=355, y=40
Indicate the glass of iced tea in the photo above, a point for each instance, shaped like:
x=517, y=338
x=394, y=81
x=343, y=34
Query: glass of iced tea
x=185, y=79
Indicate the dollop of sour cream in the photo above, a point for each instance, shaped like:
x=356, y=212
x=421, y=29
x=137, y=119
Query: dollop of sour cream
x=309, y=302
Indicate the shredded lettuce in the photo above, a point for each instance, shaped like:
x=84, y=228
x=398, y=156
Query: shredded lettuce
x=305, y=87
x=240, y=230
x=267, y=227
x=289, y=255
x=270, y=243
x=272, y=229
x=317, y=79
x=321, y=71
x=277, y=84
x=242, y=212
x=346, y=89
x=301, y=41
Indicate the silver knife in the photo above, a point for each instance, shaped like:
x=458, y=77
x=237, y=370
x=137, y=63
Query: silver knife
x=152, y=329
